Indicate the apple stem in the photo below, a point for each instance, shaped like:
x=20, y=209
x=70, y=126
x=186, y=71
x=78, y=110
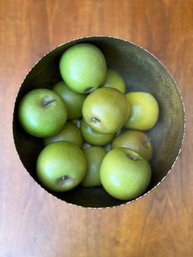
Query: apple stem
x=47, y=101
x=61, y=181
x=95, y=120
x=88, y=90
x=133, y=156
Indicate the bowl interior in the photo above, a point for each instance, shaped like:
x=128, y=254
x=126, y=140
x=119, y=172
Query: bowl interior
x=141, y=71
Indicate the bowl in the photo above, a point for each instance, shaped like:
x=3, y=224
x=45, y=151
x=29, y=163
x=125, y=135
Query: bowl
x=142, y=71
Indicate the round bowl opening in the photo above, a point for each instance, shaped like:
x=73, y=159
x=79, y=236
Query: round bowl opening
x=142, y=72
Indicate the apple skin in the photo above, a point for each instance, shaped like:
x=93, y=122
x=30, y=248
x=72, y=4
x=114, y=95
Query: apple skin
x=94, y=156
x=105, y=110
x=69, y=133
x=144, y=111
x=72, y=99
x=114, y=80
x=42, y=113
x=124, y=174
x=135, y=140
x=93, y=137
x=83, y=67
x=61, y=166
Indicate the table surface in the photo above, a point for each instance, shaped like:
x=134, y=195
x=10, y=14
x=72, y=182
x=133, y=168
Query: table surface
x=32, y=222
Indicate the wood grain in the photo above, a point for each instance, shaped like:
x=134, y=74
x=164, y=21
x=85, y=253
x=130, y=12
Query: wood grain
x=32, y=222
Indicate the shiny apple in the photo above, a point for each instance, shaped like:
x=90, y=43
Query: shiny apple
x=124, y=174
x=42, y=113
x=144, y=111
x=105, y=110
x=61, y=166
x=83, y=67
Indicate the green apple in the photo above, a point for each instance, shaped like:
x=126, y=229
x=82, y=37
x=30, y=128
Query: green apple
x=114, y=80
x=69, y=133
x=42, y=113
x=105, y=110
x=61, y=166
x=83, y=67
x=144, y=111
x=94, y=156
x=135, y=140
x=72, y=99
x=93, y=137
x=124, y=174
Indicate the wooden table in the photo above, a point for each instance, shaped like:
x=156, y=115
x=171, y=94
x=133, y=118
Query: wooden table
x=32, y=222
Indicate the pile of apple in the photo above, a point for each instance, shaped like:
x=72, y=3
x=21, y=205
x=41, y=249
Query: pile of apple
x=93, y=130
